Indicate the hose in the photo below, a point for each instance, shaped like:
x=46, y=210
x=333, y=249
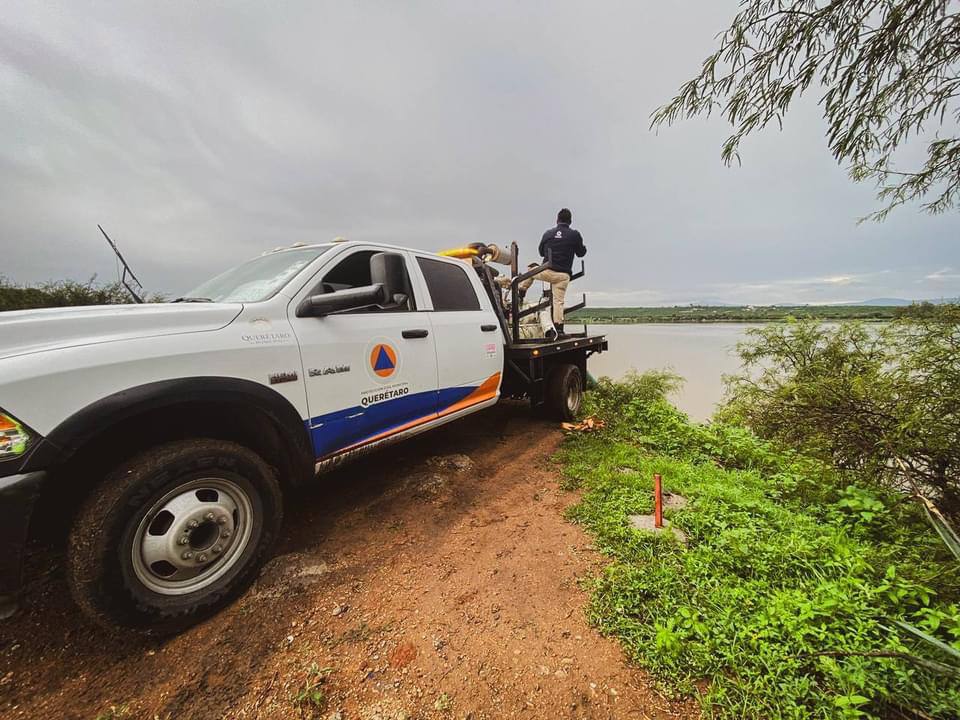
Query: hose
x=500, y=255
x=489, y=253
x=460, y=253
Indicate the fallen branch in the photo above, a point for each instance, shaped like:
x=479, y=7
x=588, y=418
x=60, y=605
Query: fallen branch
x=587, y=425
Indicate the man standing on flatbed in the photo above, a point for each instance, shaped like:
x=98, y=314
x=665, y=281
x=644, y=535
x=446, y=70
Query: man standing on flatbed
x=562, y=243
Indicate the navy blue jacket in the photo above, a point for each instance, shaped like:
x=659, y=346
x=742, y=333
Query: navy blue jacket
x=564, y=242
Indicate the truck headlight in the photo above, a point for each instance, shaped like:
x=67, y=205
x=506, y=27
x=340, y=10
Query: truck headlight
x=14, y=437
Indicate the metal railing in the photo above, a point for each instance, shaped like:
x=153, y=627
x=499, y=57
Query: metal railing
x=515, y=312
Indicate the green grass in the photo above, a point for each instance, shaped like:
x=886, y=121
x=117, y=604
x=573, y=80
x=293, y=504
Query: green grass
x=783, y=600
x=708, y=314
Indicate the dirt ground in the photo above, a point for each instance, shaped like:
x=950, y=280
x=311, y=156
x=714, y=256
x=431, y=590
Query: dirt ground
x=435, y=579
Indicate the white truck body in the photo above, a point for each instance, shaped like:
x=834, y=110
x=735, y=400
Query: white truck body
x=53, y=363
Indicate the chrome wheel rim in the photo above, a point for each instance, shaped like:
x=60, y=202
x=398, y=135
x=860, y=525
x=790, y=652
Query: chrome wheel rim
x=574, y=396
x=192, y=536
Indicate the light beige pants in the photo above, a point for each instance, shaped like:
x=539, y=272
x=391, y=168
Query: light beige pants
x=558, y=286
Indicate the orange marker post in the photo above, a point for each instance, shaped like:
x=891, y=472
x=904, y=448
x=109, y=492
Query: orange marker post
x=657, y=501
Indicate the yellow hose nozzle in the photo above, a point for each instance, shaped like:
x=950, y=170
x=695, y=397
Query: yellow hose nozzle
x=461, y=253
x=490, y=253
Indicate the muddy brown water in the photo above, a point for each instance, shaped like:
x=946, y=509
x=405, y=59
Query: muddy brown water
x=700, y=353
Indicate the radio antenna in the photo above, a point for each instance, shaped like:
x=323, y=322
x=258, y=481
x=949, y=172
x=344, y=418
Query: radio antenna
x=127, y=279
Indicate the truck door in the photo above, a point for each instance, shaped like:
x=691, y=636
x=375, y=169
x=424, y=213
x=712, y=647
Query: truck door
x=369, y=373
x=468, y=337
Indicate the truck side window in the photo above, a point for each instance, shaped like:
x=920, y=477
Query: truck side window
x=449, y=285
x=354, y=271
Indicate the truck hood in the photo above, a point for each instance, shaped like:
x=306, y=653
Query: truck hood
x=30, y=331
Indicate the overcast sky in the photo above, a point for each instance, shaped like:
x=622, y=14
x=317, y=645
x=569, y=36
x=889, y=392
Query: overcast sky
x=201, y=133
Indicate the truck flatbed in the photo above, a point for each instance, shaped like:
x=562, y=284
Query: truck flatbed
x=540, y=347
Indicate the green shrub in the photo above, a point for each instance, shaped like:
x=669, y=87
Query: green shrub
x=785, y=597
x=880, y=402
x=64, y=293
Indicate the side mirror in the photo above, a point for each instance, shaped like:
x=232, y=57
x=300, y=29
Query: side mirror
x=387, y=272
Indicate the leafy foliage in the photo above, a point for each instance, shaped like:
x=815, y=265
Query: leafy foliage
x=641, y=388
x=888, y=71
x=310, y=697
x=785, y=597
x=884, y=403
x=63, y=293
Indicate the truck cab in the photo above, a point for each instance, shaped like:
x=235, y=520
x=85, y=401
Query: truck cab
x=378, y=370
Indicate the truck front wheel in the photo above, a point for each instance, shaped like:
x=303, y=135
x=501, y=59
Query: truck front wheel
x=173, y=535
x=564, y=392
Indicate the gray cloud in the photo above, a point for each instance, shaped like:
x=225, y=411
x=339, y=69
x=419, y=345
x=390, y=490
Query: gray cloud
x=201, y=134
x=943, y=275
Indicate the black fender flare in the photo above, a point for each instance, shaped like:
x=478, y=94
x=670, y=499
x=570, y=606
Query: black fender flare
x=71, y=434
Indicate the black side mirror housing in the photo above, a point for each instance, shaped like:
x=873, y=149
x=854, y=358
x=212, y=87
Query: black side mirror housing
x=388, y=290
x=389, y=270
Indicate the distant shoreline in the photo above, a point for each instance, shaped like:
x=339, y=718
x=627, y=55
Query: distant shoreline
x=607, y=321
x=734, y=314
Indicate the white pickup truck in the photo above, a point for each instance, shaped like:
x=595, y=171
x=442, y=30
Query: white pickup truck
x=161, y=437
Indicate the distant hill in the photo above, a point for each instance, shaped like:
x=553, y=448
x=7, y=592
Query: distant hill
x=872, y=302
x=900, y=302
x=882, y=302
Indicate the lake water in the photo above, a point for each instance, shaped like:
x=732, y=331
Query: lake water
x=700, y=353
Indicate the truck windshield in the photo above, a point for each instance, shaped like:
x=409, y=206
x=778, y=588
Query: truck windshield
x=258, y=279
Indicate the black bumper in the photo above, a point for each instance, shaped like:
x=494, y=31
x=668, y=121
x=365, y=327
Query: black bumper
x=17, y=496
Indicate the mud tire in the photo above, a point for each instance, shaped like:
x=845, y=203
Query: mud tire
x=99, y=566
x=564, y=392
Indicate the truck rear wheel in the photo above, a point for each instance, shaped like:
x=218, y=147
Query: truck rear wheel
x=173, y=535
x=564, y=392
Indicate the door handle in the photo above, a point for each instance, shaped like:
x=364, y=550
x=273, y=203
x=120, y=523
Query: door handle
x=488, y=328
x=410, y=334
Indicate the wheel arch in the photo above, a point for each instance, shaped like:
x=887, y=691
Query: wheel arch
x=99, y=436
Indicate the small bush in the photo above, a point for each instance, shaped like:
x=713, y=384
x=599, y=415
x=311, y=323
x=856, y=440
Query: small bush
x=64, y=293
x=883, y=403
x=310, y=697
x=785, y=598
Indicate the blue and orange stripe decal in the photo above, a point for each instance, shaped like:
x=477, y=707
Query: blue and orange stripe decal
x=354, y=427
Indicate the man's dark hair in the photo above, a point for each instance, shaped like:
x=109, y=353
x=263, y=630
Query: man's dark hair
x=565, y=216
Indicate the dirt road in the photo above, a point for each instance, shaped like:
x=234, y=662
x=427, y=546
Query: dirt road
x=436, y=579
